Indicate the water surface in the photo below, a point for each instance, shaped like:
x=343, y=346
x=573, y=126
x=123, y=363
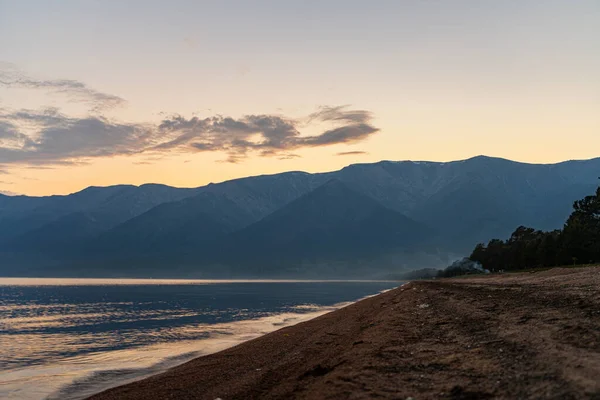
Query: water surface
x=67, y=338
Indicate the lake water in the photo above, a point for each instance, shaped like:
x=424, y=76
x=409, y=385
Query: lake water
x=68, y=338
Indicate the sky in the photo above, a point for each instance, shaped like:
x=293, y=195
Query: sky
x=96, y=93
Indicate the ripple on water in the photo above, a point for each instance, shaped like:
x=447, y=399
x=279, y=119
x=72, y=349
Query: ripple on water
x=66, y=340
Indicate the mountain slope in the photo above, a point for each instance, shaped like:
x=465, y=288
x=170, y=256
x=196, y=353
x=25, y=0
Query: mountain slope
x=465, y=202
x=40, y=223
x=171, y=227
x=331, y=223
x=476, y=199
x=262, y=195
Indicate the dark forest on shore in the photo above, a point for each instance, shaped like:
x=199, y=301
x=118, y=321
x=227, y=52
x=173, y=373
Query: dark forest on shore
x=578, y=242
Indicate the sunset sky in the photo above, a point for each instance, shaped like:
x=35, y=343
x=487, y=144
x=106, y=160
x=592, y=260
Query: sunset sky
x=190, y=92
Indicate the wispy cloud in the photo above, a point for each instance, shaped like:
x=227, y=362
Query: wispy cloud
x=352, y=153
x=61, y=140
x=42, y=138
x=12, y=77
x=48, y=137
x=341, y=114
x=40, y=167
x=267, y=134
x=289, y=156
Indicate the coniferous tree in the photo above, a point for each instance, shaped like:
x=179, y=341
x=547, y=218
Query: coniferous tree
x=578, y=242
x=581, y=234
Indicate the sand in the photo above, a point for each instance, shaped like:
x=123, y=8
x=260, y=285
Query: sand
x=530, y=335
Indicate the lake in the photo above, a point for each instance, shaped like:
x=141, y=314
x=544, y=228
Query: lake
x=69, y=338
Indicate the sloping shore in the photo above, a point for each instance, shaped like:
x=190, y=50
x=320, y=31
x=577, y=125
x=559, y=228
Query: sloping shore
x=531, y=335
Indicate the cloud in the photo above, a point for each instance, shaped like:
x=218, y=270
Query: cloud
x=75, y=91
x=341, y=113
x=269, y=135
x=351, y=153
x=41, y=167
x=344, y=134
x=60, y=140
x=48, y=137
x=289, y=156
x=11, y=136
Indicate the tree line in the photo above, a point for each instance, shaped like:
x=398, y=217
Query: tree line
x=577, y=243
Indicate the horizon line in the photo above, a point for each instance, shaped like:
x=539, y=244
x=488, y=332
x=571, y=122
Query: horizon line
x=304, y=172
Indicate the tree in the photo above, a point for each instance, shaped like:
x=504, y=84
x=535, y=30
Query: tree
x=579, y=241
x=581, y=233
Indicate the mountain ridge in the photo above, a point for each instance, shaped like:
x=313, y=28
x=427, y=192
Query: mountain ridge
x=481, y=156
x=464, y=202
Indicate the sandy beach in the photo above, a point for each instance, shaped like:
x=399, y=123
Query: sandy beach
x=528, y=335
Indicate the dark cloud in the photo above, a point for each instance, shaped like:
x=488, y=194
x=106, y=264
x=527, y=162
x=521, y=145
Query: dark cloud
x=78, y=91
x=351, y=153
x=61, y=140
x=344, y=134
x=341, y=114
x=45, y=117
x=236, y=136
x=12, y=137
x=268, y=135
x=53, y=138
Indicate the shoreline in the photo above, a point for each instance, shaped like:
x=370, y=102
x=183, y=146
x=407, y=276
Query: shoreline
x=47, y=281
x=526, y=335
x=241, y=331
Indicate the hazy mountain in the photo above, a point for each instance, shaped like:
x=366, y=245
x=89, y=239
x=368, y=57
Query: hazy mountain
x=476, y=199
x=330, y=224
x=176, y=226
x=43, y=222
x=261, y=195
x=463, y=202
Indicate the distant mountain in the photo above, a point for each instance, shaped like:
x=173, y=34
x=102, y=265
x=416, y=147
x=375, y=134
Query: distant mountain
x=262, y=195
x=477, y=199
x=45, y=222
x=330, y=224
x=271, y=219
x=174, y=227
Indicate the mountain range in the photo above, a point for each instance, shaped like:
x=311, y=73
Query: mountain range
x=365, y=220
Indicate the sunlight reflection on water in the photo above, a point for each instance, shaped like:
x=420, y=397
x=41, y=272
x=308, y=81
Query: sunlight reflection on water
x=66, y=338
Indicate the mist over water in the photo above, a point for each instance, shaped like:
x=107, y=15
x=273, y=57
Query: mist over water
x=68, y=338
